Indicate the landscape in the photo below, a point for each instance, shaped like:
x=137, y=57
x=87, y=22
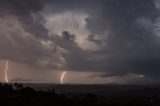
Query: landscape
x=80, y=52
x=80, y=95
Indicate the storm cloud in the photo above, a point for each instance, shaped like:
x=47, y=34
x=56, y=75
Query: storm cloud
x=116, y=37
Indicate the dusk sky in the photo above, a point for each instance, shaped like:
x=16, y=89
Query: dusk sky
x=94, y=41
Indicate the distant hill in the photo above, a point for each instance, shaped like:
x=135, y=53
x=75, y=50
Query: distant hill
x=94, y=88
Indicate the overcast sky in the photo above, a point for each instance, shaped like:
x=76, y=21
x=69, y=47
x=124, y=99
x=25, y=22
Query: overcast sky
x=95, y=41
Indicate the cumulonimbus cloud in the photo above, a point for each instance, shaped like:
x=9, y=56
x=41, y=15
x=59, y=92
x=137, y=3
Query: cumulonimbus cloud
x=124, y=31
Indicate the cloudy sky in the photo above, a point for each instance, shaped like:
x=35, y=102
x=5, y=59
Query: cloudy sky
x=94, y=41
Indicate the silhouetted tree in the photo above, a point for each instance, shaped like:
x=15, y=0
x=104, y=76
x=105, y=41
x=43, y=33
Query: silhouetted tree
x=18, y=86
x=8, y=88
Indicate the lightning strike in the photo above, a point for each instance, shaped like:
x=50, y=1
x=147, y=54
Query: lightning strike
x=62, y=76
x=6, y=69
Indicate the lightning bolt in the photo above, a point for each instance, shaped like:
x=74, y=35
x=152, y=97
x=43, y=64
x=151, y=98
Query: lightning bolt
x=62, y=76
x=6, y=68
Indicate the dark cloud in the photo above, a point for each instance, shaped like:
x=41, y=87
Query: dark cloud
x=27, y=13
x=128, y=45
x=22, y=7
x=127, y=41
x=22, y=30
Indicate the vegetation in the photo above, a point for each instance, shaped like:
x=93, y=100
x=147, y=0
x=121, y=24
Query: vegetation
x=18, y=95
